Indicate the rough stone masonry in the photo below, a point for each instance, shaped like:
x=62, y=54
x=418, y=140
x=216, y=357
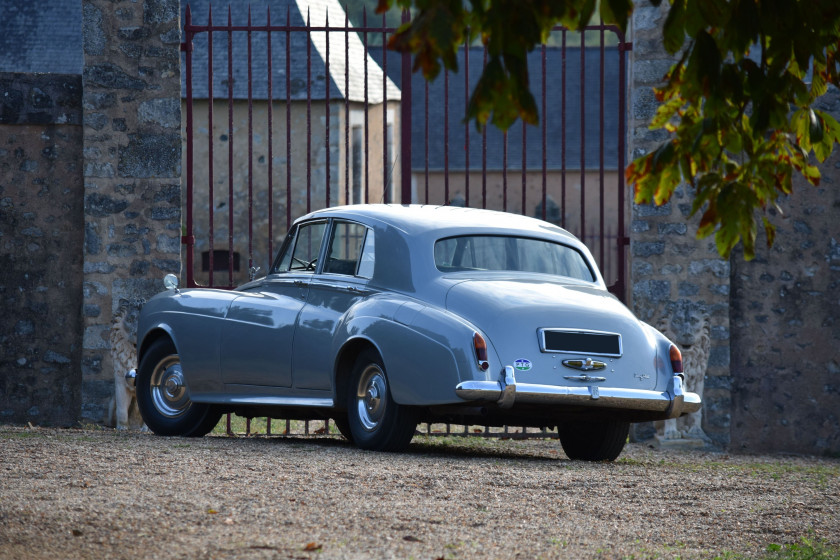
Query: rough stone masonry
x=773, y=377
x=40, y=247
x=132, y=169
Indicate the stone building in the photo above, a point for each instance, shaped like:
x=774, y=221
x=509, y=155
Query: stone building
x=346, y=108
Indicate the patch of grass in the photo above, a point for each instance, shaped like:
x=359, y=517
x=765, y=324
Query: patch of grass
x=260, y=426
x=775, y=470
x=631, y=462
x=451, y=442
x=804, y=549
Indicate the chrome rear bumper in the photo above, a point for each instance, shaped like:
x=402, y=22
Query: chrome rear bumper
x=672, y=403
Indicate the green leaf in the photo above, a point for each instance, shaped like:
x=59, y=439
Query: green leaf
x=694, y=20
x=587, y=8
x=707, y=188
x=665, y=112
x=815, y=128
x=770, y=231
x=674, y=29
x=714, y=12
x=704, y=64
x=799, y=125
x=616, y=12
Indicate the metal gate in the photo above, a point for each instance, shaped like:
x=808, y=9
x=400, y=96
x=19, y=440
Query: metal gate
x=290, y=112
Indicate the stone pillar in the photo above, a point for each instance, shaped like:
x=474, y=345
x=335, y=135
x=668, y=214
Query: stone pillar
x=132, y=169
x=40, y=247
x=679, y=283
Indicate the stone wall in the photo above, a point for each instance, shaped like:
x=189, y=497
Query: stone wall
x=773, y=376
x=132, y=168
x=670, y=266
x=41, y=200
x=786, y=324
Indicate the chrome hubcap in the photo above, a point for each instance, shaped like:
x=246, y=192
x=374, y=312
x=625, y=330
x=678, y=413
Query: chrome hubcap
x=370, y=397
x=169, y=393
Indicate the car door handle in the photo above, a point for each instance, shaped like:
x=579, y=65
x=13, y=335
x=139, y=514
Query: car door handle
x=353, y=289
x=300, y=283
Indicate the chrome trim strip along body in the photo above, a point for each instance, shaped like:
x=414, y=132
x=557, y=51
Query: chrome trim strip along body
x=541, y=337
x=280, y=401
x=675, y=402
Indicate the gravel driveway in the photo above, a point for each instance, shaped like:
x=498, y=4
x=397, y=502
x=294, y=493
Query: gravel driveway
x=103, y=494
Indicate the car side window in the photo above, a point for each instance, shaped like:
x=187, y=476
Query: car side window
x=368, y=256
x=346, y=248
x=301, y=253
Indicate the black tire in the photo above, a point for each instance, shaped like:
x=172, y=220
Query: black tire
x=343, y=426
x=593, y=441
x=163, y=397
x=376, y=422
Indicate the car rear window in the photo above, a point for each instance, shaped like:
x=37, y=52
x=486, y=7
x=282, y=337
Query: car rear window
x=506, y=253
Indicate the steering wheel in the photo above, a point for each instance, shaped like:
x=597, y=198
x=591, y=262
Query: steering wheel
x=307, y=265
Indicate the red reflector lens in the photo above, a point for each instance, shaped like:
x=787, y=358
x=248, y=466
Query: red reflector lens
x=676, y=359
x=480, y=351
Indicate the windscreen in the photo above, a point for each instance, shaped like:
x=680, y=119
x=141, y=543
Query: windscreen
x=502, y=253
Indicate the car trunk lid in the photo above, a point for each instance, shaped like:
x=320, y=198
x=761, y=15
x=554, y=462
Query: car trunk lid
x=547, y=330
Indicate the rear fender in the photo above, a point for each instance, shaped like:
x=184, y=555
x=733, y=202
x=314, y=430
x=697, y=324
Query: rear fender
x=421, y=369
x=664, y=370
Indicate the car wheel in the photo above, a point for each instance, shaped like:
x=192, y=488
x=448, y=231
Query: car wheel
x=593, y=441
x=376, y=421
x=343, y=426
x=164, y=399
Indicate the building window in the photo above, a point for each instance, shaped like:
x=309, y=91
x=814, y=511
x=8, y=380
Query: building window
x=221, y=260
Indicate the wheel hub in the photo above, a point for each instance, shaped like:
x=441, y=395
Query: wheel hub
x=370, y=397
x=168, y=389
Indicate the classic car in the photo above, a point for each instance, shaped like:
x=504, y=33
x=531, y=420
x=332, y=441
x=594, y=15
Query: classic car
x=383, y=316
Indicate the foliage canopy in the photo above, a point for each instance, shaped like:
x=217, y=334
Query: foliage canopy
x=739, y=103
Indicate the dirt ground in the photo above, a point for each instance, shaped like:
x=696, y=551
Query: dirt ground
x=97, y=493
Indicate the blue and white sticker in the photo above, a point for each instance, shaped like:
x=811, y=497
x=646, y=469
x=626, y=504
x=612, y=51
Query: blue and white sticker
x=522, y=364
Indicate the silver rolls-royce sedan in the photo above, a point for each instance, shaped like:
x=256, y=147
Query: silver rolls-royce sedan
x=383, y=316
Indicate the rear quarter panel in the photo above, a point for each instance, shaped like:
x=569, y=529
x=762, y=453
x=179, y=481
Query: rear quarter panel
x=426, y=351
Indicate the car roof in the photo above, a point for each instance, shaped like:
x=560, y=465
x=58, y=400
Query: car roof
x=407, y=259
x=415, y=219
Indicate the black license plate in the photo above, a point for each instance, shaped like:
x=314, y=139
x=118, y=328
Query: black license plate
x=603, y=344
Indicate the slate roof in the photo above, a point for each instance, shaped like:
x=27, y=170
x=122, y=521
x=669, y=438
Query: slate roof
x=587, y=105
x=296, y=11
x=41, y=36
x=47, y=37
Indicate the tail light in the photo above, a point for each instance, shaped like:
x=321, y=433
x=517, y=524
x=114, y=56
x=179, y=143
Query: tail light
x=480, y=347
x=676, y=359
